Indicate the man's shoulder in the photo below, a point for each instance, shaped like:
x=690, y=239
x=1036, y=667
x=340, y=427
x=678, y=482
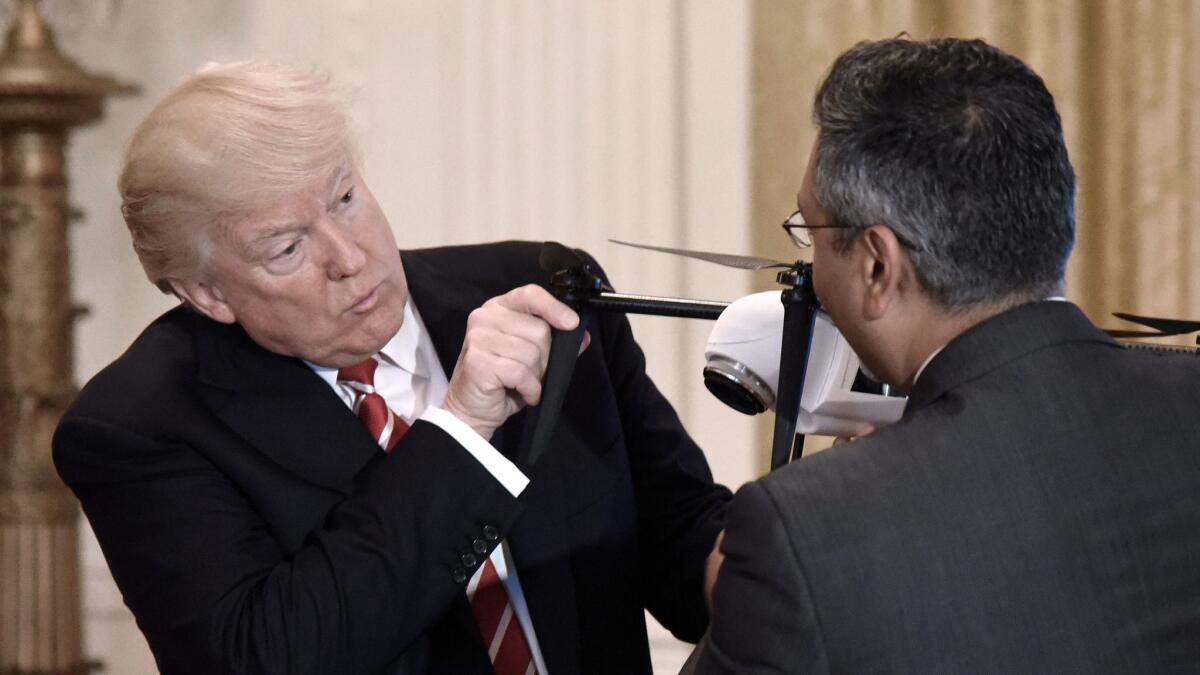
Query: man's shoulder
x=1173, y=368
x=1068, y=406
x=514, y=262
x=891, y=484
x=840, y=477
x=156, y=367
x=501, y=259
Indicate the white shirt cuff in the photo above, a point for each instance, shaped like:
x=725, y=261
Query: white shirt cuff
x=495, y=463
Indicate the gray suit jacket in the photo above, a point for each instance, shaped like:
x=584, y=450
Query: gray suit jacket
x=1037, y=509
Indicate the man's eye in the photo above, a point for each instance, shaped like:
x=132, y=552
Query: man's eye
x=286, y=252
x=348, y=197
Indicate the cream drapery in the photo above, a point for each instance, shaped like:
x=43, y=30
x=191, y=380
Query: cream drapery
x=1124, y=74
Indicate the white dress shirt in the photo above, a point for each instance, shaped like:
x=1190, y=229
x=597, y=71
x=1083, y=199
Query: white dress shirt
x=410, y=378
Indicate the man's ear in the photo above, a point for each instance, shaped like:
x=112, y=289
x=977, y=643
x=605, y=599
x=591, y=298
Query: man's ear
x=204, y=298
x=882, y=267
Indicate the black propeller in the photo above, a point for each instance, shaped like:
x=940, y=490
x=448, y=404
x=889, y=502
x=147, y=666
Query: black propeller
x=1162, y=327
x=742, y=262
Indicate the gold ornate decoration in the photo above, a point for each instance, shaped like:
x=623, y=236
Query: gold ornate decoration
x=42, y=95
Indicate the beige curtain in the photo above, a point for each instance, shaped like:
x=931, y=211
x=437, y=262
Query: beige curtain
x=1124, y=75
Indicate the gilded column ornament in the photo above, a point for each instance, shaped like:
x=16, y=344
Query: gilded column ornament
x=42, y=95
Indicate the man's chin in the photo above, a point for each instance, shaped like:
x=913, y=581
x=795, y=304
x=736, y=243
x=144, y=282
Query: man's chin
x=346, y=343
x=346, y=354
x=371, y=336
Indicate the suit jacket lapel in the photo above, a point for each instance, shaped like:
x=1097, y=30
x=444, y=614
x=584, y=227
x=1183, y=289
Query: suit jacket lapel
x=444, y=305
x=281, y=407
x=999, y=340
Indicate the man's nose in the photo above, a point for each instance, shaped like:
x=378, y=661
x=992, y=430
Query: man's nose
x=346, y=256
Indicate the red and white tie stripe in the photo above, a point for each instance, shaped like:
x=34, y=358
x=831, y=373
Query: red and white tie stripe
x=502, y=633
x=385, y=426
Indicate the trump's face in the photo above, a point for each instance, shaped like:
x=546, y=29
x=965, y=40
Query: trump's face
x=315, y=275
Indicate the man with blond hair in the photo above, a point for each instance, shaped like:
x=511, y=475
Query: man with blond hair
x=309, y=465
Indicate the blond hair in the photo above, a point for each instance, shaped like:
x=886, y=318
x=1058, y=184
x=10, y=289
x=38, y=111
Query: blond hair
x=225, y=141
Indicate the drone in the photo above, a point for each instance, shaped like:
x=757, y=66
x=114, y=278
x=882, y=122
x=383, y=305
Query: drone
x=578, y=285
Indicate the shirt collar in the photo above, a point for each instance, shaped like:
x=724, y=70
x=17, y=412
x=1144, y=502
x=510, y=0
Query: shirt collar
x=406, y=349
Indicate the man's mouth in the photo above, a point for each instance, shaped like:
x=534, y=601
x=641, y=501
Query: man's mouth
x=365, y=302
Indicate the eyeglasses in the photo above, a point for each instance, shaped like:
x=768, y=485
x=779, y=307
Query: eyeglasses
x=798, y=230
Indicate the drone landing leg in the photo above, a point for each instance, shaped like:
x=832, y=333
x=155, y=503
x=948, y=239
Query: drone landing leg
x=564, y=348
x=799, y=312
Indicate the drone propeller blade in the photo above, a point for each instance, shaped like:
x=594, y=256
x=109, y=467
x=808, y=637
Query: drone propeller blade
x=555, y=257
x=1134, y=333
x=739, y=261
x=1165, y=326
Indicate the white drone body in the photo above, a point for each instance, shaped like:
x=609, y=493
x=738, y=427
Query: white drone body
x=743, y=353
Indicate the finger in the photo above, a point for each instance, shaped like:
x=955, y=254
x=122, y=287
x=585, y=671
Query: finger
x=520, y=378
x=712, y=568
x=516, y=348
x=496, y=360
x=587, y=340
x=494, y=317
x=522, y=338
x=535, y=300
x=868, y=429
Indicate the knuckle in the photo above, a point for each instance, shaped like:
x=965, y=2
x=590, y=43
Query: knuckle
x=533, y=354
x=475, y=317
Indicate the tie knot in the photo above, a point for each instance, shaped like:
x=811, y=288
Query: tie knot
x=363, y=373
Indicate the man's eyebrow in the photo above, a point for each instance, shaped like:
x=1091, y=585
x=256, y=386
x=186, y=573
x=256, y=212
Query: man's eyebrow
x=273, y=230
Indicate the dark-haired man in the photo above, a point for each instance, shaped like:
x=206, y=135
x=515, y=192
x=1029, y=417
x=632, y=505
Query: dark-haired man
x=1036, y=508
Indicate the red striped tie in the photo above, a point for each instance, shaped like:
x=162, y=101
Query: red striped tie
x=385, y=426
x=498, y=623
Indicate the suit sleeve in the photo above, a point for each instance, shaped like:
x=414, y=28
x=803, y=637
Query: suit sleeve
x=680, y=509
x=214, y=592
x=763, y=617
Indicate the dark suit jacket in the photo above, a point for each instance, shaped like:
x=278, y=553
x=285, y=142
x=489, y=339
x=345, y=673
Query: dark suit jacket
x=253, y=526
x=1036, y=510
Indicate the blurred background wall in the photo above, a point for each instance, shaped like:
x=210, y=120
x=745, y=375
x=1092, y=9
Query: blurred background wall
x=670, y=122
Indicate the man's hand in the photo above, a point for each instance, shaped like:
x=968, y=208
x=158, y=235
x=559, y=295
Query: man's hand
x=850, y=439
x=504, y=356
x=712, y=566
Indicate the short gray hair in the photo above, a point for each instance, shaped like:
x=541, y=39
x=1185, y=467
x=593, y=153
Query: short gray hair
x=958, y=148
x=225, y=141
